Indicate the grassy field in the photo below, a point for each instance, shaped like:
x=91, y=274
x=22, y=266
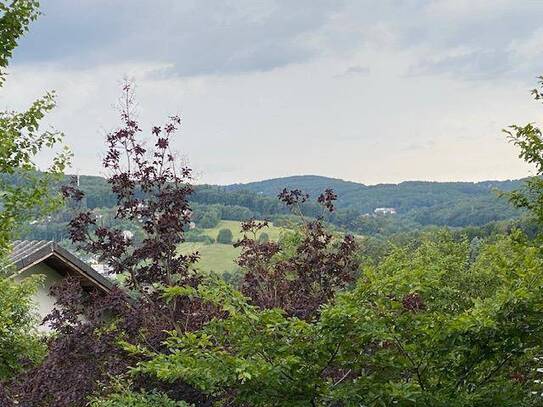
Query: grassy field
x=219, y=257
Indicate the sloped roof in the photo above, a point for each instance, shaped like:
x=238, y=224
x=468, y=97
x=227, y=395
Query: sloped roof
x=27, y=253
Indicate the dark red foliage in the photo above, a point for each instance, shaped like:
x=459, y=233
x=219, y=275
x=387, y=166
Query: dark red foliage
x=152, y=192
x=326, y=199
x=81, y=357
x=72, y=191
x=413, y=302
x=518, y=377
x=84, y=356
x=253, y=226
x=5, y=399
x=293, y=197
x=302, y=283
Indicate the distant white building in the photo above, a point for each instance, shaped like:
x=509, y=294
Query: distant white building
x=127, y=234
x=384, y=211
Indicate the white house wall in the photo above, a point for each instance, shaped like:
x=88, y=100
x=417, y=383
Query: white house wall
x=44, y=302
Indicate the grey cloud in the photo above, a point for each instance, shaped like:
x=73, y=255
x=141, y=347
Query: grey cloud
x=200, y=37
x=475, y=65
x=432, y=30
x=194, y=37
x=354, y=70
x=489, y=34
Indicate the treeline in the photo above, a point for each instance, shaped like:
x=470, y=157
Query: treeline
x=455, y=204
x=404, y=196
x=418, y=204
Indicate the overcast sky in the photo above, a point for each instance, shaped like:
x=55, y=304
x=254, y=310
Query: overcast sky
x=369, y=91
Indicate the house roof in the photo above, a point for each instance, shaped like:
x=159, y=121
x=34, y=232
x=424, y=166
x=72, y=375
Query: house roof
x=27, y=253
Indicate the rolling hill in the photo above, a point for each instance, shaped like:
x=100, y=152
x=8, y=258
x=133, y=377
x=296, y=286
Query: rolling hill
x=417, y=203
x=404, y=196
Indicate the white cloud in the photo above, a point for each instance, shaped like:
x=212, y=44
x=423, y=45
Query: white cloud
x=372, y=91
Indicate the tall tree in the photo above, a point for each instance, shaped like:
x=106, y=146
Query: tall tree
x=529, y=139
x=151, y=191
x=20, y=142
x=21, y=138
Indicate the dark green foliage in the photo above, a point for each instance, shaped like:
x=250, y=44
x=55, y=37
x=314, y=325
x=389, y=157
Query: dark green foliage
x=19, y=342
x=424, y=328
x=405, y=197
x=133, y=399
x=207, y=217
x=15, y=17
x=419, y=205
x=197, y=236
x=225, y=236
x=263, y=238
x=311, y=184
x=452, y=207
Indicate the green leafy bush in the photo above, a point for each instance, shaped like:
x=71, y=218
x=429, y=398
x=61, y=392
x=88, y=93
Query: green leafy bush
x=225, y=236
x=423, y=328
x=198, y=236
x=20, y=344
x=135, y=399
x=207, y=218
x=263, y=238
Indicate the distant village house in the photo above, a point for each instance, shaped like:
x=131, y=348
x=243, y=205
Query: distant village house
x=384, y=211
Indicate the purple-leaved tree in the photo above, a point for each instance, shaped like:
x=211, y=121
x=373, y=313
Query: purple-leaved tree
x=95, y=333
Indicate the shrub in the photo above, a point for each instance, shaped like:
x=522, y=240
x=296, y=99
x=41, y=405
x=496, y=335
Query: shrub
x=208, y=221
x=419, y=329
x=197, y=236
x=84, y=354
x=225, y=236
x=133, y=399
x=19, y=341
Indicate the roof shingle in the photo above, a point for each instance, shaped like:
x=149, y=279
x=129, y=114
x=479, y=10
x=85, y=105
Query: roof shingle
x=26, y=253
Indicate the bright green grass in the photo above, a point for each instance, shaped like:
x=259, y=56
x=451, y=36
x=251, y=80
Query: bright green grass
x=235, y=227
x=213, y=257
x=220, y=257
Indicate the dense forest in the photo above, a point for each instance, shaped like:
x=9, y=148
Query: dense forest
x=437, y=203
x=418, y=205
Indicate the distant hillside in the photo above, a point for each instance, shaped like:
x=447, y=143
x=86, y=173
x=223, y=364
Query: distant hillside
x=311, y=184
x=417, y=204
x=404, y=197
x=455, y=204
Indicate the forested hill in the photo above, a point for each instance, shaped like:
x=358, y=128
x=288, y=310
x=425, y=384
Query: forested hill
x=427, y=203
x=417, y=204
x=311, y=184
x=404, y=196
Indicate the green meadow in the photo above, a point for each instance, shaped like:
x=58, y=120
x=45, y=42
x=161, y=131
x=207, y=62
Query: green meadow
x=219, y=257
